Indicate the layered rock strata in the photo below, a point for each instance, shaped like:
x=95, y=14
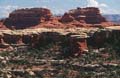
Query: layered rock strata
x=90, y=15
x=42, y=17
x=9, y=39
x=23, y=18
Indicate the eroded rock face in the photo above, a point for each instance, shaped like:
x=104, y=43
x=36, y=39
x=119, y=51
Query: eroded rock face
x=67, y=18
x=74, y=41
x=99, y=39
x=23, y=18
x=9, y=39
x=90, y=15
x=42, y=17
x=2, y=26
x=78, y=46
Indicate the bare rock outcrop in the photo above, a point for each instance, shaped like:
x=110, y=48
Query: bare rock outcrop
x=42, y=17
x=23, y=18
x=67, y=18
x=89, y=15
x=39, y=20
x=36, y=38
x=2, y=26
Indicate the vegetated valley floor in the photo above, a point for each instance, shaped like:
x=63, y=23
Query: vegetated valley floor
x=50, y=62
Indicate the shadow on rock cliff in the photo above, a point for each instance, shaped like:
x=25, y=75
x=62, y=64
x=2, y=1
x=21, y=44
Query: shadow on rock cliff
x=20, y=24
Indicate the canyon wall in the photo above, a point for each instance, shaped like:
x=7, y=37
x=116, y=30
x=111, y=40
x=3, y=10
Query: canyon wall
x=76, y=25
x=77, y=42
x=73, y=41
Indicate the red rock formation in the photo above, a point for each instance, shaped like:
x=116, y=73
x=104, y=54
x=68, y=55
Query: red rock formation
x=67, y=18
x=41, y=17
x=23, y=18
x=2, y=27
x=78, y=45
x=90, y=15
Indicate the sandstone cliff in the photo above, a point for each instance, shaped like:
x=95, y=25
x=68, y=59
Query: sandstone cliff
x=36, y=38
x=88, y=15
x=85, y=17
x=73, y=25
x=23, y=18
x=42, y=17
